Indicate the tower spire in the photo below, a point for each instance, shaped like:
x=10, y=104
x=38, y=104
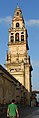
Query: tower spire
x=17, y=4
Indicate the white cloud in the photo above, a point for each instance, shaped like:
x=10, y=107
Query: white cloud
x=36, y=64
x=32, y=22
x=35, y=72
x=7, y=19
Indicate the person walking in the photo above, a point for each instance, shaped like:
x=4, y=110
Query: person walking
x=12, y=111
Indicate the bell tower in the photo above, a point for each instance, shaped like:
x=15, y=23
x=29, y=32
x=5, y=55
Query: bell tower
x=17, y=58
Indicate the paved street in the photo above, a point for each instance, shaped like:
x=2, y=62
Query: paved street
x=26, y=112
x=35, y=114
x=30, y=112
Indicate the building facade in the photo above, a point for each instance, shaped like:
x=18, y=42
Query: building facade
x=17, y=59
x=10, y=88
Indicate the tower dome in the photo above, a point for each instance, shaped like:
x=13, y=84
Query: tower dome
x=18, y=12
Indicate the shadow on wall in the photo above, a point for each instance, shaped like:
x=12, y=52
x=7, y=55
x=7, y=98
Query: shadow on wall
x=10, y=89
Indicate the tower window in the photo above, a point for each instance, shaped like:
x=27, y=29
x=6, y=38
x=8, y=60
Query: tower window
x=17, y=13
x=17, y=24
x=12, y=39
x=22, y=37
x=11, y=33
x=17, y=37
x=22, y=32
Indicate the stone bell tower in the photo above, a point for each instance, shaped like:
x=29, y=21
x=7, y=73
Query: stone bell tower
x=17, y=58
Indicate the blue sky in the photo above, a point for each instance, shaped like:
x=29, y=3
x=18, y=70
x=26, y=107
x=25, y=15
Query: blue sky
x=30, y=11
